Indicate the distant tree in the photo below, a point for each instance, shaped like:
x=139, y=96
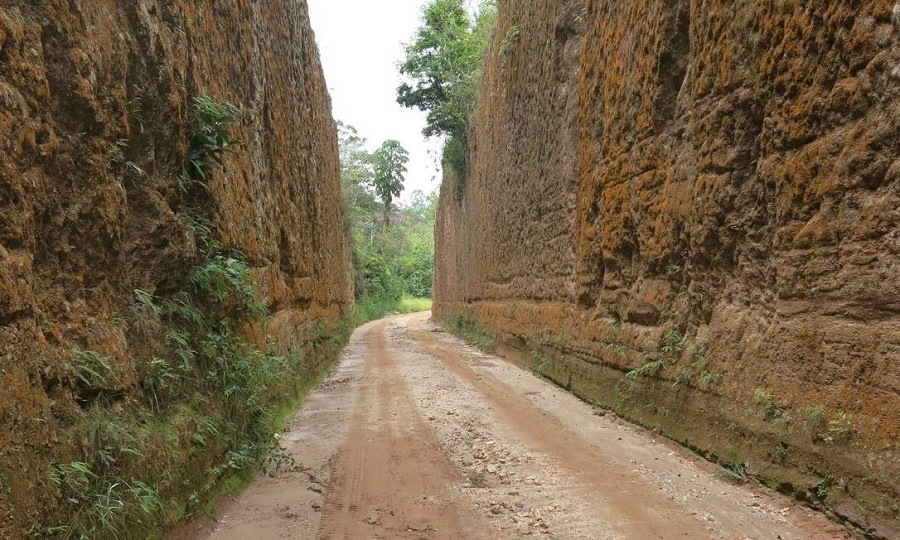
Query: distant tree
x=387, y=262
x=390, y=171
x=357, y=173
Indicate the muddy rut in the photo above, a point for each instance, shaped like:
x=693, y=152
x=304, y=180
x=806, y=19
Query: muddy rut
x=416, y=435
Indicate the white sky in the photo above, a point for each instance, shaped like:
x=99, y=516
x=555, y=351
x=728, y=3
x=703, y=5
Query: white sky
x=361, y=42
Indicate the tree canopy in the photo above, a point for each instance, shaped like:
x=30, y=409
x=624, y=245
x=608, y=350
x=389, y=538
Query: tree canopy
x=442, y=68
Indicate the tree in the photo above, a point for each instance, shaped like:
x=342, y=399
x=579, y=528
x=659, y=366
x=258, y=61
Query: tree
x=357, y=173
x=390, y=168
x=388, y=262
x=442, y=68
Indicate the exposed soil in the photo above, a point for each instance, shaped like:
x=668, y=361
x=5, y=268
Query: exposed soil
x=417, y=435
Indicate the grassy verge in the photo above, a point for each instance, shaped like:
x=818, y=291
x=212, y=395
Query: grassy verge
x=374, y=308
x=414, y=305
x=465, y=326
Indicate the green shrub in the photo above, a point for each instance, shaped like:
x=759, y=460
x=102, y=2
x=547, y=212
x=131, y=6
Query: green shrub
x=211, y=138
x=90, y=367
x=509, y=40
x=221, y=277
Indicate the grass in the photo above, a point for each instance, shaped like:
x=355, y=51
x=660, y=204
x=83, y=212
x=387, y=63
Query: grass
x=542, y=362
x=734, y=471
x=414, y=305
x=771, y=409
x=815, y=416
x=650, y=368
x=466, y=327
x=91, y=368
x=102, y=506
x=510, y=39
x=373, y=308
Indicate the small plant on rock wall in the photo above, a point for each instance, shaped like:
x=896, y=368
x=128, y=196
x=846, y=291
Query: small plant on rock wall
x=734, y=471
x=543, y=362
x=770, y=407
x=211, y=138
x=650, y=368
x=815, y=416
x=510, y=40
x=466, y=327
x=672, y=345
x=223, y=277
x=840, y=428
x=90, y=367
x=706, y=379
x=613, y=329
x=102, y=507
x=699, y=354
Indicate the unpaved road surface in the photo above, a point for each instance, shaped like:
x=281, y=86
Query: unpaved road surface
x=416, y=435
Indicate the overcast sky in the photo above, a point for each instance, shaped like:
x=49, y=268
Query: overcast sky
x=361, y=42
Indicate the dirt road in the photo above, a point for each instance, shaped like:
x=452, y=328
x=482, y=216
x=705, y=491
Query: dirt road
x=416, y=435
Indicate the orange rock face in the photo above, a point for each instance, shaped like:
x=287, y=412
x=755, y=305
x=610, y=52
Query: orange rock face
x=95, y=99
x=724, y=173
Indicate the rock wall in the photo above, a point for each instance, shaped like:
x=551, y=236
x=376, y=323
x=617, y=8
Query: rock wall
x=95, y=101
x=690, y=212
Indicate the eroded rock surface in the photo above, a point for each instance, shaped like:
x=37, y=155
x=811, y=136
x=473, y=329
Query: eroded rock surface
x=644, y=172
x=95, y=101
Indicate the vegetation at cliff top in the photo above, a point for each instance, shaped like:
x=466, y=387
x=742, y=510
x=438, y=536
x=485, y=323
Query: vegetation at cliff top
x=442, y=70
x=392, y=244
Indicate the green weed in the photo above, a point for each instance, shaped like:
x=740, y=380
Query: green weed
x=815, y=416
x=147, y=299
x=706, y=379
x=823, y=489
x=543, y=362
x=160, y=378
x=466, y=327
x=613, y=329
x=90, y=367
x=840, y=427
x=780, y=453
x=682, y=374
x=414, y=305
x=102, y=506
x=135, y=169
x=650, y=368
x=672, y=345
x=211, y=138
x=625, y=390
x=771, y=409
x=222, y=277
x=734, y=471
x=510, y=40
x=699, y=354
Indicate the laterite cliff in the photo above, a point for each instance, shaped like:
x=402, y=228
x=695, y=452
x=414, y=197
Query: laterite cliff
x=689, y=212
x=95, y=130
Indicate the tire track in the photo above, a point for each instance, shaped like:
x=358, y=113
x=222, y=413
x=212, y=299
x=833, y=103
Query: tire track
x=626, y=504
x=391, y=479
